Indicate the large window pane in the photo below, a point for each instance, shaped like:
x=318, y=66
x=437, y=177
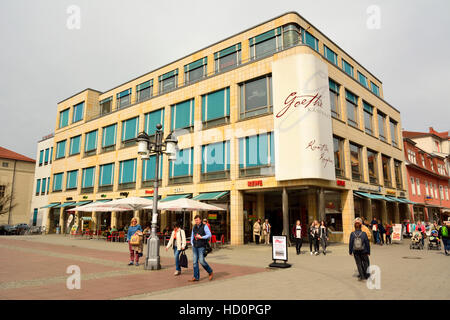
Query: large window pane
x=386, y=170
x=355, y=158
x=382, y=126
x=256, y=97
x=338, y=144
x=372, y=166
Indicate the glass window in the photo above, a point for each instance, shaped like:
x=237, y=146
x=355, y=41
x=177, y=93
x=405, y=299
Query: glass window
x=41, y=157
x=78, y=111
x=88, y=178
x=382, y=126
x=38, y=186
x=149, y=167
x=413, y=186
x=427, y=191
x=57, y=181
x=330, y=55
x=127, y=171
x=398, y=174
x=130, y=129
x=446, y=193
x=352, y=109
x=311, y=41
x=61, y=149
x=106, y=175
x=334, y=99
x=106, y=105
x=75, y=144
x=47, y=152
x=182, y=169
x=144, y=91
x=216, y=157
x=435, y=191
x=195, y=70
x=152, y=119
x=124, y=99
x=64, y=118
x=257, y=155
x=441, y=192
x=265, y=44
x=368, y=118
x=216, y=105
x=362, y=79
x=291, y=35
x=418, y=186
x=71, y=182
x=43, y=185
x=183, y=115
x=339, y=163
x=375, y=89
x=91, y=141
x=109, y=136
x=386, y=170
x=256, y=97
x=355, y=159
x=168, y=81
x=347, y=67
x=372, y=166
x=393, y=126
x=228, y=58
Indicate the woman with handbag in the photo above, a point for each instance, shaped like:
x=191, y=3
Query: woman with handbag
x=135, y=243
x=178, y=242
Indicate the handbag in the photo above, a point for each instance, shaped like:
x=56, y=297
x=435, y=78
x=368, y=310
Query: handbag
x=183, y=259
x=135, y=240
x=208, y=249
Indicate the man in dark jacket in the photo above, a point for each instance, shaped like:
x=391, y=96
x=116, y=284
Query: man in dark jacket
x=359, y=246
x=199, y=239
x=374, y=227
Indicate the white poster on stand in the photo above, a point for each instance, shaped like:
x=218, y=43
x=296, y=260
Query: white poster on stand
x=302, y=119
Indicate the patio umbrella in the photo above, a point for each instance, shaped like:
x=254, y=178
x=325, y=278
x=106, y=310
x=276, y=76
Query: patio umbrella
x=131, y=203
x=185, y=204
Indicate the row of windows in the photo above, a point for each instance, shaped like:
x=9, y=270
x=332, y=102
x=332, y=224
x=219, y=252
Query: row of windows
x=351, y=102
x=45, y=156
x=411, y=155
x=42, y=186
x=259, y=46
x=256, y=157
x=430, y=191
x=356, y=161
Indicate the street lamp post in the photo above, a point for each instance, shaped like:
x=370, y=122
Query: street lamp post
x=157, y=147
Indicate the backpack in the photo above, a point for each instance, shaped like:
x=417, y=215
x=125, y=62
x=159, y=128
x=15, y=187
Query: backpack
x=444, y=231
x=358, y=243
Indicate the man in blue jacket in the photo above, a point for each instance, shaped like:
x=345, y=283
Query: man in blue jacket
x=199, y=238
x=359, y=246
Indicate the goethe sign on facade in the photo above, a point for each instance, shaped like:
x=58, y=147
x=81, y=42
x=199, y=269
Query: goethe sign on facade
x=302, y=119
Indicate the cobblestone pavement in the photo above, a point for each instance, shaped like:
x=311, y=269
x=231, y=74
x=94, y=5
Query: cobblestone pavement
x=34, y=267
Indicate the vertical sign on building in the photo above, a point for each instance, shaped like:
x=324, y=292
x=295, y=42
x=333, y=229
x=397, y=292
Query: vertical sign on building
x=302, y=119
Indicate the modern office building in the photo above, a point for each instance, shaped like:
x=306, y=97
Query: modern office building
x=276, y=121
x=16, y=181
x=41, y=189
x=427, y=157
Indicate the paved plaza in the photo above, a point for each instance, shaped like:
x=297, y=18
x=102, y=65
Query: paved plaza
x=34, y=267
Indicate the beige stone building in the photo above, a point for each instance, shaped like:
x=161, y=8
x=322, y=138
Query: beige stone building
x=16, y=183
x=221, y=103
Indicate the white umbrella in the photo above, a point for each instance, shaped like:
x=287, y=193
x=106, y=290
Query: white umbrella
x=185, y=204
x=132, y=203
x=96, y=207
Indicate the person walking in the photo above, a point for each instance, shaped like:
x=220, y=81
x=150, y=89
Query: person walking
x=311, y=237
x=135, y=249
x=199, y=238
x=323, y=236
x=297, y=233
x=389, y=229
x=381, y=232
x=421, y=228
x=316, y=236
x=257, y=231
x=266, y=231
x=178, y=242
x=374, y=226
x=359, y=247
x=444, y=235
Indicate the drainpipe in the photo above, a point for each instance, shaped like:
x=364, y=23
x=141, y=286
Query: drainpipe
x=12, y=192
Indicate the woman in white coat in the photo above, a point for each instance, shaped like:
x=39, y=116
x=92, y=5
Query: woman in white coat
x=178, y=242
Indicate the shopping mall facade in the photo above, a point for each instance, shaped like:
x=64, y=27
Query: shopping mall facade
x=275, y=122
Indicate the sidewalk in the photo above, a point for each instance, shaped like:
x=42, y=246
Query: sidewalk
x=35, y=267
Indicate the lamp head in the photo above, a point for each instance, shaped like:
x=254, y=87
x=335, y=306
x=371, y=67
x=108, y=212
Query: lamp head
x=142, y=140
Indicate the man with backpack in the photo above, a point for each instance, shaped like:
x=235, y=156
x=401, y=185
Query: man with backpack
x=359, y=246
x=443, y=234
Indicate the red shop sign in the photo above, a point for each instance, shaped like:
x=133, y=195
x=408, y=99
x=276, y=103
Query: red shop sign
x=255, y=183
x=148, y=191
x=340, y=183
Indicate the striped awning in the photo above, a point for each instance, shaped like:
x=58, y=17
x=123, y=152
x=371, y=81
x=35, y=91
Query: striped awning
x=51, y=205
x=176, y=196
x=82, y=203
x=210, y=195
x=66, y=204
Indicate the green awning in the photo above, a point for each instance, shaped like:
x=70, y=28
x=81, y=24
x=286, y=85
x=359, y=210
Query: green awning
x=367, y=195
x=66, y=204
x=210, y=195
x=381, y=197
x=395, y=199
x=176, y=196
x=82, y=203
x=102, y=200
x=404, y=200
x=51, y=205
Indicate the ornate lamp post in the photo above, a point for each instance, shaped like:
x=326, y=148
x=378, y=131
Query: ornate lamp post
x=158, y=147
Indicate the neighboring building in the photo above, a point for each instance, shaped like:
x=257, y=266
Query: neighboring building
x=428, y=174
x=16, y=182
x=39, y=200
x=241, y=144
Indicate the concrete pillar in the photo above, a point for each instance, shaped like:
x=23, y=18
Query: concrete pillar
x=94, y=220
x=61, y=220
x=384, y=215
x=114, y=219
x=321, y=204
x=348, y=214
x=368, y=210
x=236, y=217
x=396, y=213
x=47, y=221
x=260, y=211
x=285, y=206
x=312, y=205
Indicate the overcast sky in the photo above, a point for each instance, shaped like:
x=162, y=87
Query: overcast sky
x=42, y=61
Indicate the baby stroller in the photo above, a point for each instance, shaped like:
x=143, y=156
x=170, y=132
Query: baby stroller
x=433, y=241
x=416, y=241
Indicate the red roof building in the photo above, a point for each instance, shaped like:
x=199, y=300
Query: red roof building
x=8, y=154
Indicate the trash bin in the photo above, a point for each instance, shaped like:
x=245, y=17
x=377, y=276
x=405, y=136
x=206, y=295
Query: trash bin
x=58, y=230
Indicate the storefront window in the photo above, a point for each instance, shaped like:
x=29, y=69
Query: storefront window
x=333, y=210
x=372, y=165
x=355, y=158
